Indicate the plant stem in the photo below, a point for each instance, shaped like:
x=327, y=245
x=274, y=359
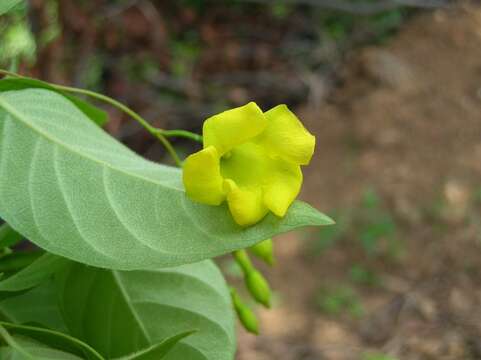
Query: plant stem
x=129, y=112
x=181, y=133
x=152, y=130
x=9, y=73
x=243, y=261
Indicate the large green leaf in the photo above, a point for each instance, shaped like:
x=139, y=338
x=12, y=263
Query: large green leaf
x=24, y=348
x=17, y=260
x=124, y=312
x=32, y=275
x=53, y=339
x=40, y=306
x=72, y=189
x=36, y=306
x=158, y=351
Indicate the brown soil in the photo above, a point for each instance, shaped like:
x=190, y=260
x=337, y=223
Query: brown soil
x=406, y=121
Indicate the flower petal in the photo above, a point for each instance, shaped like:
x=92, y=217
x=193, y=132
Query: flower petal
x=245, y=205
x=202, y=179
x=283, y=187
x=286, y=137
x=233, y=127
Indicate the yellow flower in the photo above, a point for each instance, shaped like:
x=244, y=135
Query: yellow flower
x=251, y=159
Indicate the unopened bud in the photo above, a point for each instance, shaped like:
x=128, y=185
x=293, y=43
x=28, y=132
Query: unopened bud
x=264, y=250
x=258, y=287
x=246, y=316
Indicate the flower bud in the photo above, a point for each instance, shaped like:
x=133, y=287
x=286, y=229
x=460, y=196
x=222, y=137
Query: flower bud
x=246, y=316
x=258, y=287
x=264, y=251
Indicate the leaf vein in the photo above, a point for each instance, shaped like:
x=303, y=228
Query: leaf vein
x=112, y=204
x=128, y=301
x=68, y=205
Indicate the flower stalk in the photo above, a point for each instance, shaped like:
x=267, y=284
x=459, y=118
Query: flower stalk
x=157, y=133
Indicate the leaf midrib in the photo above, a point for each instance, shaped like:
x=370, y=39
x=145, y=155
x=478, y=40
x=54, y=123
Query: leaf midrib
x=20, y=117
x=130, y=304
x=189, y=311
x=128, y=301
x=193, y=278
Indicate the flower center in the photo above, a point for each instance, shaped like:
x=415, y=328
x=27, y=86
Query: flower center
x=246, y=165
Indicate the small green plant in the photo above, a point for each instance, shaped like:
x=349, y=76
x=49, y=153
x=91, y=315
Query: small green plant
x=280, y=10
x=16, y=40
x=184, y=55
x=361, y=275
x=377, y=228
x=378, y=27
x=369, y=225
x=339, y=300
x=330, y=236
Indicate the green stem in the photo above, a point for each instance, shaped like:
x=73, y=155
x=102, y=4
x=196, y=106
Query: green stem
x=9, y=73
x=152, y=130
x=243, y=261
x=129, y=112
x=181, y=133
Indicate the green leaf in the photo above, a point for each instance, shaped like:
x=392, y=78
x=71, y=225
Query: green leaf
x=98, y=116
x=36, y=306
x=14, y=344
x=7, y=5
x=16, y=261
x=23, y=348
x=72, y=189
x=120, y=313
x=32, y=275
x=8, y=236
x=158, y=351
x=54, y=339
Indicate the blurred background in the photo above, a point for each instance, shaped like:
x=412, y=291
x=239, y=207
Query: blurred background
x=392, y=91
